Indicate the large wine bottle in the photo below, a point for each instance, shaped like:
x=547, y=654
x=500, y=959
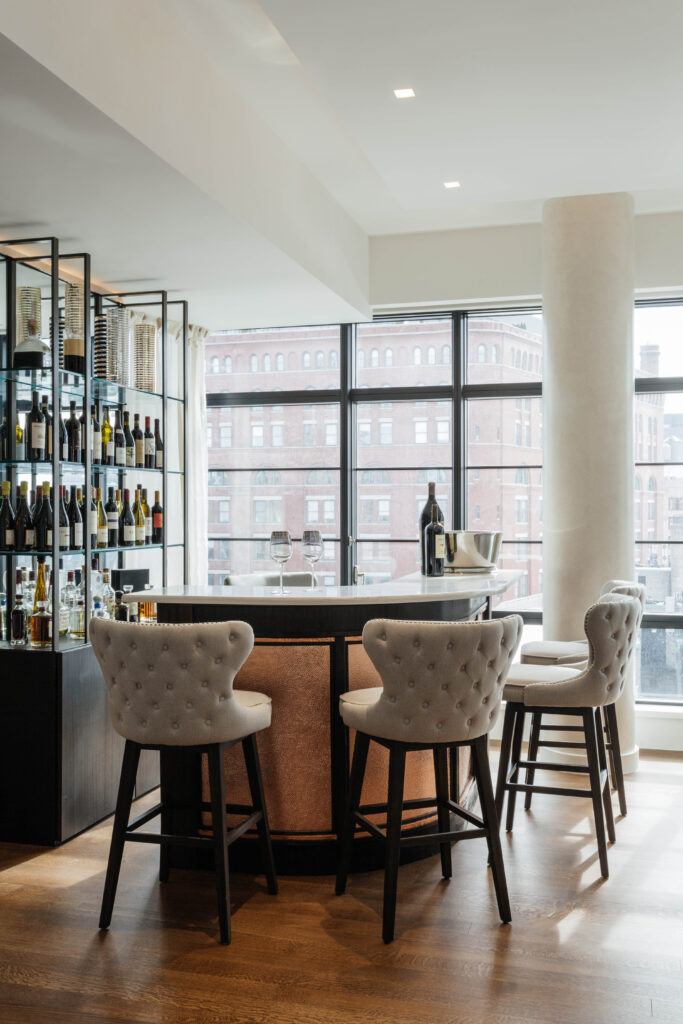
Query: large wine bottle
x=425, y=520
x=64, y=526
x=112, y=520
x=119, y=441
x=75, y=522
x=6, y=517
x=126, y=523
x=130, y=442
x=139, y=520
x=36, y=432
x=139, y=439
x=45, y=409
x=107, y=439
x=43, y=519
x=159, y=446
x=73, y=433
x=157, y=520
x=434, y=545
x=150, y=446
x=24, y=534
x=102, y=525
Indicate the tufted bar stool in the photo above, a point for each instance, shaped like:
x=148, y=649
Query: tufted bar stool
x=172, y=686
x=575, y=654
x=442, y=685
x=611, y=625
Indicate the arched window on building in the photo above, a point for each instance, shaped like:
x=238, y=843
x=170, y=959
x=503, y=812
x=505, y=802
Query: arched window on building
x=445, y=354
x=524, y=361
x=518, y=359
x=481, y=353
x=320, y=360
x=360, y=359
x=494, y=354
x=374, y=357
x=306, y=360
x=215, y=365
x=253, y=364
x=522, y=475
x=227, y=364
x=431, y=355
x=280, y=362
x=388, y=357
x=417, y=356
x=266, y=362
x=334, y=359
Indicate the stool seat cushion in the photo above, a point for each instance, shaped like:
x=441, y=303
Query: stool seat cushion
x=554, y=652
x=522, y=676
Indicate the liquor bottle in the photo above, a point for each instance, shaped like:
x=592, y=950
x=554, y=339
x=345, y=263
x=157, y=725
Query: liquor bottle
x=435, y=545
x=102, y=526
x=73, y=433
x=93, y=520
x=32, y=353
x=157, y=519
x=18, y=614
x=45, y=409
x=139, y=439
x=150, y=446
x=6, y=518
x=69, y=591
x=97, y=459
x=36, y=432
x=75, y=522
x=24, y=534
x=81, y=420
x=64, y=526
x=425, y=520
x=74, y=341
x=129, y=441
x=43, y=520
x=158, y=446
x=139, y=519
x=126, y=523
x=147, y=514
x=119, y=441
x=63, y=439
x=64, y=624
x=112, y=520
x=107, y=439
x=20, y=442
x=108, y=596
x=77, y=619
x=41, y=621
x=29, y=590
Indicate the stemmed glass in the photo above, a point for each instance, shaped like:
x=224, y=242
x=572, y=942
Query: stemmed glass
x=312, y=550
x=280, y=551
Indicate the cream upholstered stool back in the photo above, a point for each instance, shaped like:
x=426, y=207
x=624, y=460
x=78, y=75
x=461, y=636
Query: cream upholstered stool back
x=171, y=687
x=442, y=684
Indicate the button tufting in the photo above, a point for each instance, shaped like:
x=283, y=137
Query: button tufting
x=397, y=660
x=392, y=700
x=208, y=721
x=480, y=647
x=444, y=686
x=411, y=683
x=164, y=647
x=143, y=722
x=155, y=705
x=416, y=643
x=221, y=696
x=176, y=725
x=133, y=647
x=218, y=661
x=439, y=725
x=150, y=668
x=406, y=721
x=122, y=664
x=449, y=645
x=127, y=703
x=491, y=714
x=138, y=686
x=484, y=700
x=189, y=704
x=205, y=683
x=492, y=663
x=232, y=638
x=183, y=664
x=425, y=704
x=169, y=686
x=469, y=721
x=120, y=718
x=458, y=705
x=107, y=640
x=383, y=636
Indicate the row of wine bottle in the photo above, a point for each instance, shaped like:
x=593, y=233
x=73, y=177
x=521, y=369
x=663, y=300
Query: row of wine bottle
x=118, y=446
x=112, y=525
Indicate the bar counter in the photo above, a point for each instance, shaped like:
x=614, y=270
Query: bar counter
x=307, y=652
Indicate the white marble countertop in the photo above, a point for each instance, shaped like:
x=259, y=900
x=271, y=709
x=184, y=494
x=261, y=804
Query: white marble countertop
x=407, y=589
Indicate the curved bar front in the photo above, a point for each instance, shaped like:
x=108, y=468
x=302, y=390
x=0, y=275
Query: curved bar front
x=307, y=652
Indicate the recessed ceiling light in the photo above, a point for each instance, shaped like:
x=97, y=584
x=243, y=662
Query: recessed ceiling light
x=404, y=94
x=451, y=184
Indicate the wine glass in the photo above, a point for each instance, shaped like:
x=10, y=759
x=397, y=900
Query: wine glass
x=312, y=550
x=280, y=551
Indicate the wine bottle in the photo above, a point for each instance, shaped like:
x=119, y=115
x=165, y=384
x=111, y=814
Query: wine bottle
x=24, y=534
x=117, y=499
x=41, y=621
x=435, y=545
x=81, y=420
x=147, y=514
x=35, y=502
x=94, y=520
x=139, y=519
x=157, y=519
x=4, y=440
x=43, y=521
x=126, y=523
x=36, y=432
x=130, y=443
x=75, y=522
x=139, y=439
x=150, y=447
x=45, y=409
x=6, y=518
x=107, y=439
x=425, y=520
x=73, y=433
x=64, y=526
x=102, y=527
x=18, y=616
x=63, y=439
x=20, y=442
x=97, y=459
x=158, y=447
x=119, y=441
x=112, y=520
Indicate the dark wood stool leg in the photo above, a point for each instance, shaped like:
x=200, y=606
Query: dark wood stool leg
x=482, y=775
x=516, y=754
x=596, y=787
x=504, y=762
x=220, y=837
x=533, y=754
x=441, y=779
x=454, y=773
x=360, y=756
x=164, y=849
x=397, y=765
x=129, y=770
x=606, y=792
x=258, y=800
x=610, y=712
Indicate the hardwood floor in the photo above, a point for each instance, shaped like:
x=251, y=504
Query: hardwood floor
x=578, y=951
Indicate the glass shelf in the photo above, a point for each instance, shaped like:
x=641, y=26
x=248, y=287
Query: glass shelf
x=81, y=551
x=65, y=643
x=24, y=466
x=73, y=384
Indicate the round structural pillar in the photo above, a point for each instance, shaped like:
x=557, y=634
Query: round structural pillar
x=588, y=415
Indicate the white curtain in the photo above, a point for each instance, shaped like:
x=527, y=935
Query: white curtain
x=197, y=472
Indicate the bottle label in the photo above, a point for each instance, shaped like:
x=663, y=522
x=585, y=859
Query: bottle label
x=159, y=459
x=130, y=456
x=93, y=521
x=120, y=456
x=102, y=537
x=49, y=537
x=113, y=518
x=110, y=450
x=65, y=451
x=37, y=435
x=78, y=535
x=148, y=526
x=31, y=538
x=9, y=538
x=439, y=546
x=73, y=346
x=149, y=446
x=158, y=520
x=128, y=534
x=139, y=451
x=140, y=533
x=97, y=446
x=64, y=537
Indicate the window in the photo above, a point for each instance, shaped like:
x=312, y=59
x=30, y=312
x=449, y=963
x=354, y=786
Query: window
x=328, y=510
x=364, y=432
x=280, y=362
x=386, y=428
x=320, y=360
x=217, y=478
x=309, y=434
x=477, y=512
x=383, y=510
x=334, y=359
x=331, y=433
x=227, y=364
x=443, y=430
x=253, y=364
x=209, y=436
x=481, y=353
x=277, y=435
x=445, y=353
x=388, y=357
x=266, y=363
x=319, y=476
x=257, y=435
x=420, y=431
x=495, y=356
x=224, y=511
x=431, y=356
x=522, y=475
x=360, y=359
x=215, y=365
x=266, y=476
x=219, y=550
x=374, y=357
x=226, y=435
x=267, y=510
x=521, y=510
x=306, y=360
x=417, y=356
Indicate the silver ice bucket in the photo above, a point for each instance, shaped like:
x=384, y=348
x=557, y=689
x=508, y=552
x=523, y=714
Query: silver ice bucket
x=471, y=549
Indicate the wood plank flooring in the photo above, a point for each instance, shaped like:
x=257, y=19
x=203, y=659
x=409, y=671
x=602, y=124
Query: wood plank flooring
x=579, y=951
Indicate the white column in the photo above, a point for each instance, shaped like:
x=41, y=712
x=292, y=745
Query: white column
x=588, y=415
